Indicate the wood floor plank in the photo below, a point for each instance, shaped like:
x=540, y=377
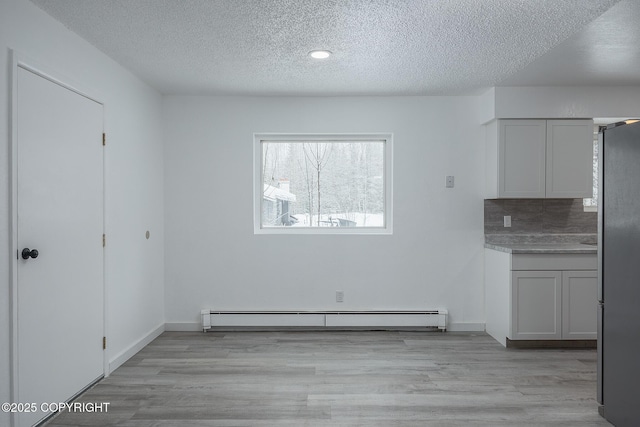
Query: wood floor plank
x=342, y=378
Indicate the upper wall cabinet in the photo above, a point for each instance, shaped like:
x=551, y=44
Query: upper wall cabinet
x=539, y=159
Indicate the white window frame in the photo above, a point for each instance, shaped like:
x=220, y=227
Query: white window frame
x=387, y=138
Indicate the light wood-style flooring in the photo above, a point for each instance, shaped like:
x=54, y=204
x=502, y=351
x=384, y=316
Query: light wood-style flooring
x=338, y=378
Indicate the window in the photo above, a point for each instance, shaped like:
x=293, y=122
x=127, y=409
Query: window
x=591, y=204
x=322, y=184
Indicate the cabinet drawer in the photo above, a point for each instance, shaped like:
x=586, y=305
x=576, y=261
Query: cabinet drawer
x=554, y=262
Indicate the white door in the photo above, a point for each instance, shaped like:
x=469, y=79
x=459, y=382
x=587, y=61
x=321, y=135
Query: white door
x=60, y=293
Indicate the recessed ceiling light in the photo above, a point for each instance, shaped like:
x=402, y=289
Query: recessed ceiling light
x=320, y=54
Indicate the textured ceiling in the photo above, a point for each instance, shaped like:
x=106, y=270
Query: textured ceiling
x=605, y=52
x=259, y=47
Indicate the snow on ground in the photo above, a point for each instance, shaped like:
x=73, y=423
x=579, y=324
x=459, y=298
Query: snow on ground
x=361, y=219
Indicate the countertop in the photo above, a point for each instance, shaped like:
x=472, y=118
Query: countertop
x=543, y=248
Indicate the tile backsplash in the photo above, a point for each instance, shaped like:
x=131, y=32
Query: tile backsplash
x=531, y=217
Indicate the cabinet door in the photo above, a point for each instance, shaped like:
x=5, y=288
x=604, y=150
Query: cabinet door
x=521, y=158
x=579, y=305
x=536, y=305
x=569, y=159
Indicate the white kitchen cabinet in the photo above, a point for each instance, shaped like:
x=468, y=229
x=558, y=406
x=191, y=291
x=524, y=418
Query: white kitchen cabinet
x=569, y=159
x=522, y=158
x=536, y=305
x=539, y=159
x=540, y=296
x=579, y=304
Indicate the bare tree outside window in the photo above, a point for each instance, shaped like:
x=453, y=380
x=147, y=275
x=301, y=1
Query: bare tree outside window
x=317, y=155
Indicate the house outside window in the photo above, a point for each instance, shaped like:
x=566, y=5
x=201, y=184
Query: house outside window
x=275, y=204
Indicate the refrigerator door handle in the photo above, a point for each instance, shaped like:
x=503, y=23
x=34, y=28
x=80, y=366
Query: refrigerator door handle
x=599, y=367
x=600, y=216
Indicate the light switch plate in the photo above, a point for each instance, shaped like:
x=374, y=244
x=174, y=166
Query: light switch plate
x=507, y=220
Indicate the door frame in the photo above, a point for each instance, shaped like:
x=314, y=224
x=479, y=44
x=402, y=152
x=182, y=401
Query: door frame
x=19, y=60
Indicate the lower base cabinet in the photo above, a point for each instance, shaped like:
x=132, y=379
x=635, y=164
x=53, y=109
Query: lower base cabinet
x=579, y=305
x=553, y=305
x=536, y=305
x=541, y=303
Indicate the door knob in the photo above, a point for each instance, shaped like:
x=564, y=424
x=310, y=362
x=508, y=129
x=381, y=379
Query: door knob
x=29, y=253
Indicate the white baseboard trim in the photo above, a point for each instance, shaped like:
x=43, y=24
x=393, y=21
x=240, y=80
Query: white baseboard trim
x=129, y=352
x=196, y=326
x=466, y=327
x=183, y=327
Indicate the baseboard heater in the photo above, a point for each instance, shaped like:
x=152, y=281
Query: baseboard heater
x=435, y=319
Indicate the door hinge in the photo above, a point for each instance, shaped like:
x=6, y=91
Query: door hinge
x=104, y=138
x=104, y=240
x=104, y=343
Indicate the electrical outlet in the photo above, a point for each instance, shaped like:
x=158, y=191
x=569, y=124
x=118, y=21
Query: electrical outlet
x=449, y=181
x=507, y=220
x=339, y=296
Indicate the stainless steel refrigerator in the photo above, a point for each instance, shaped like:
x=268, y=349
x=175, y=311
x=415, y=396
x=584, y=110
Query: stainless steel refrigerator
x=619, y=281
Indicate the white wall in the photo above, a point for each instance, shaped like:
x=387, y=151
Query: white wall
x=559, y=102
x=213, y=260
x=134, y=175
x=487, y=105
